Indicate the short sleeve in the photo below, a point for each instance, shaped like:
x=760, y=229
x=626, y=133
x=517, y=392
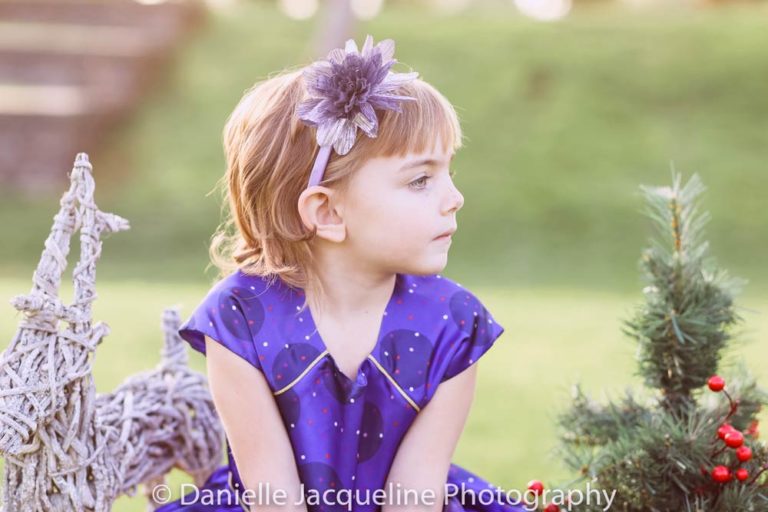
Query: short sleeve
x=476, y=333
x=228, y=316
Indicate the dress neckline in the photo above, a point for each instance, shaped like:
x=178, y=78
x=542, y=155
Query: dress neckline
x=379, y=335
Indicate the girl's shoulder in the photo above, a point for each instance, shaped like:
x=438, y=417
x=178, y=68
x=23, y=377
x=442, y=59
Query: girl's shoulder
x=235, y=312
x=451, y=309
x=453, y=325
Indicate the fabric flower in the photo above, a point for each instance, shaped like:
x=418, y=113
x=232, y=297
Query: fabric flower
x=347, y=87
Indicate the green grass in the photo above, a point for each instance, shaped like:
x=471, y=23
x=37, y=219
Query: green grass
x=563, y=122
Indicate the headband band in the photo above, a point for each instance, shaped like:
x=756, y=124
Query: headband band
x=345, y=90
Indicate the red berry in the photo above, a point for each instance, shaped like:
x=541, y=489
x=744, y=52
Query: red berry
x=716, y=383
x=744, y=453
x=734, y=439
x=724, y=429
x=742, y=474
x=536, y=486
x=551, y=508
x=721, y=474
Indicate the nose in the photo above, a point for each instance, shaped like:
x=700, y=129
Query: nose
x=454, y=199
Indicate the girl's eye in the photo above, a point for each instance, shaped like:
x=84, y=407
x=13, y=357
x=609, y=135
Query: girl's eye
x=419, y=183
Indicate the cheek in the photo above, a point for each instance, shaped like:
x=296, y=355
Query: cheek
x=403, y=216
x=407, y=228
x=365, y=222
x=395, y=219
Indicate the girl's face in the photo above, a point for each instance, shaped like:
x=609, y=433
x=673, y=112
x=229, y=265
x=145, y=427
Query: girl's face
x=395, y=210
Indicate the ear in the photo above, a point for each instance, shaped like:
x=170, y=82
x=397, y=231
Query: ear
x=318, y=208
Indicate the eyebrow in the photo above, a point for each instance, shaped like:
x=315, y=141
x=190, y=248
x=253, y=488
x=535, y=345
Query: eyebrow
x=429, y=162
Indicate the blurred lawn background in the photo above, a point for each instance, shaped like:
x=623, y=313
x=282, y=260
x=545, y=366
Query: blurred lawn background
x=563, y=122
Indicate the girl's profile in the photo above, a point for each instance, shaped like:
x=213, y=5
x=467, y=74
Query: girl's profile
x=340, y=359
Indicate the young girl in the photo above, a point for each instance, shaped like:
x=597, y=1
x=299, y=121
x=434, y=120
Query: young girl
x=340, y=361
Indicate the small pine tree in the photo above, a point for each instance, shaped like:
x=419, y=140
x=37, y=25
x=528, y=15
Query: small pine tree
x=690, y=444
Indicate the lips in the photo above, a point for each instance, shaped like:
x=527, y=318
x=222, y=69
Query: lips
x=445, y=234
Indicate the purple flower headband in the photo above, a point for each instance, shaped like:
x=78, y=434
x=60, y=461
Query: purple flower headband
x=345, y=90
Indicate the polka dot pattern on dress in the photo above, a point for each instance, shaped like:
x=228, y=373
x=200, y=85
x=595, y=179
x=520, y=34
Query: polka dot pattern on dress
x=405, y=355
x=345, y=432
x=471, y=317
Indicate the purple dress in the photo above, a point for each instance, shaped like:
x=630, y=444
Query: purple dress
x=345, y=433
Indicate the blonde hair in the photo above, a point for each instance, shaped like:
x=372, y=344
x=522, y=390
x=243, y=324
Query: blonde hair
x=269, y=155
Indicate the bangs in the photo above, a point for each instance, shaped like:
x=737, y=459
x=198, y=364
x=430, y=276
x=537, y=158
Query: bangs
x=417, y=129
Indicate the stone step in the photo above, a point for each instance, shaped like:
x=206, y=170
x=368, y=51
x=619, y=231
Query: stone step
x=172, y=16
x=44, y=100
x=70, y=70
x=114, y=82
x=119, y=41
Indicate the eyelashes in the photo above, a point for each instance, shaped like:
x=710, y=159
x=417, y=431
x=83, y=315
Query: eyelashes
x=421, y=182
x=416, y=184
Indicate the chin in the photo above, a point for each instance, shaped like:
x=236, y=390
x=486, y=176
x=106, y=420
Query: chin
x=429, y=268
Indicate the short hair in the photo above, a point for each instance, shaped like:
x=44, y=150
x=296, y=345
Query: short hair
x=269, y=155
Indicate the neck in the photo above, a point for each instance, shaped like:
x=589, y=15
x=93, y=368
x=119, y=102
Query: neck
x=348, y=286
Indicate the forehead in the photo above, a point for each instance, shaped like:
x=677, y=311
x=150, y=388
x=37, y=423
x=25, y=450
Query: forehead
x=390, y=166
x=437, y=152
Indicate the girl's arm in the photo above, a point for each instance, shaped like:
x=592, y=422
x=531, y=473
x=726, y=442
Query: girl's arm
x=254, y=428
x=424, y=456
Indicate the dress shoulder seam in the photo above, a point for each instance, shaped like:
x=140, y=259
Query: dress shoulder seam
x=394, y=383
x=302, y=374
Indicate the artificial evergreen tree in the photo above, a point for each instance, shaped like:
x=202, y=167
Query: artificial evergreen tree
x=687, y=441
